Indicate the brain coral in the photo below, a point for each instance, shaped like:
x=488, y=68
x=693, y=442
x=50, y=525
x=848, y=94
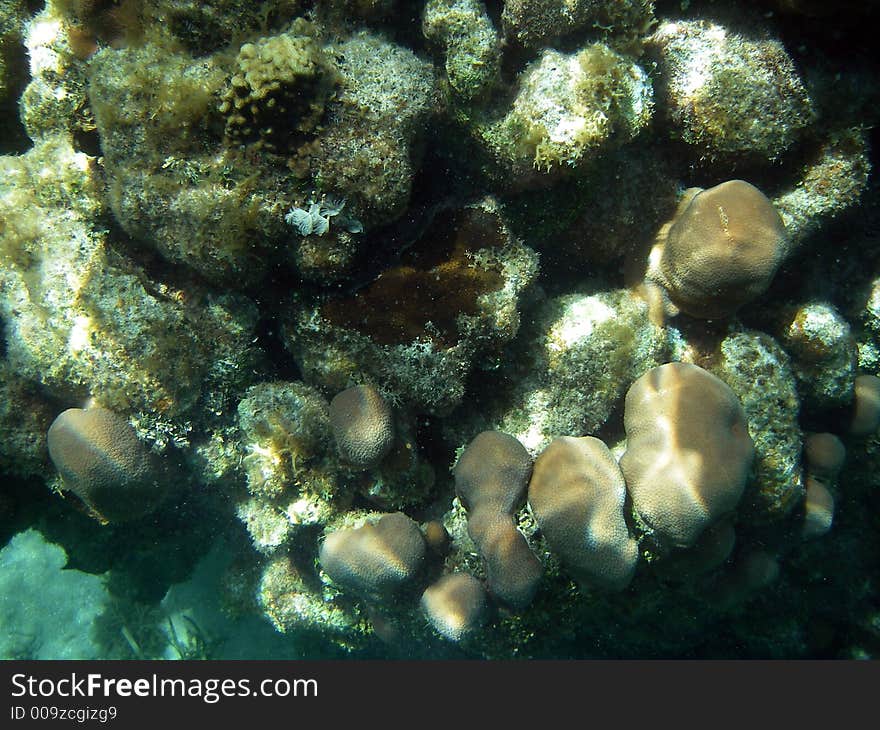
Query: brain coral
x=818, y=510
x=375, y=560
x=491, y=478
x=492, y=473
x=455, y=605
x=363, y=425
x=102, y=461
x=577, y=494
x=688, y=451
x=824, y=454
x=720, y=250
x=865, y=418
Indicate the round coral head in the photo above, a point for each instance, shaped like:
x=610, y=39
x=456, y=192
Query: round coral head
x=102, y=461
x=722, y=250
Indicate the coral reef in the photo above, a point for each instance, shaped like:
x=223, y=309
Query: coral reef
x=577, y=494
x=375, y=560
x=362, y=425
x=491, y=478
x=541, y=22
x=454, y=291
x=569, y=108
x=470, y=45
x=720, y=251
x=455, y=605
x=272, y=309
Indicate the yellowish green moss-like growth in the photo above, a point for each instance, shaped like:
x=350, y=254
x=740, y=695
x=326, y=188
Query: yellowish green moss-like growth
x=730, y=99
x=568, y=110
x=469, y=44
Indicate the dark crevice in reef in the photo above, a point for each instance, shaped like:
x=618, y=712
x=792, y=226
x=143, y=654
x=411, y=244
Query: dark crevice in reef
x=13, y=138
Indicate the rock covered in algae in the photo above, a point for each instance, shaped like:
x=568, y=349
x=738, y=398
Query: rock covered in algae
x=568, y=110
x=581, y=352
x=25, y=416
x=173, y=183
x=375, y=124
x=759, y=371
x=77, y=315
x=469, y=43
x=824, y=355
x=423, y=324
x=287, y=458
x=13, y=67
x=831, y=181
x=727, y=97
x=542, y=22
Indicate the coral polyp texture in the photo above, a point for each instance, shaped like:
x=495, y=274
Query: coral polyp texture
x=534, y=328
x=376, y=560
x=577, y=493
x=491, y=479
x=363, y=426
x=456, y=605
x=720, y=251
x=688, y=451
x=102, y=461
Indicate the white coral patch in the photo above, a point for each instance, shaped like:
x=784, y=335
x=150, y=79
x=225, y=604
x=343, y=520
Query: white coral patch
x=577, y=322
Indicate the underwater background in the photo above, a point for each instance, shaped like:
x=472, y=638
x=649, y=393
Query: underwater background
x=439, y=329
